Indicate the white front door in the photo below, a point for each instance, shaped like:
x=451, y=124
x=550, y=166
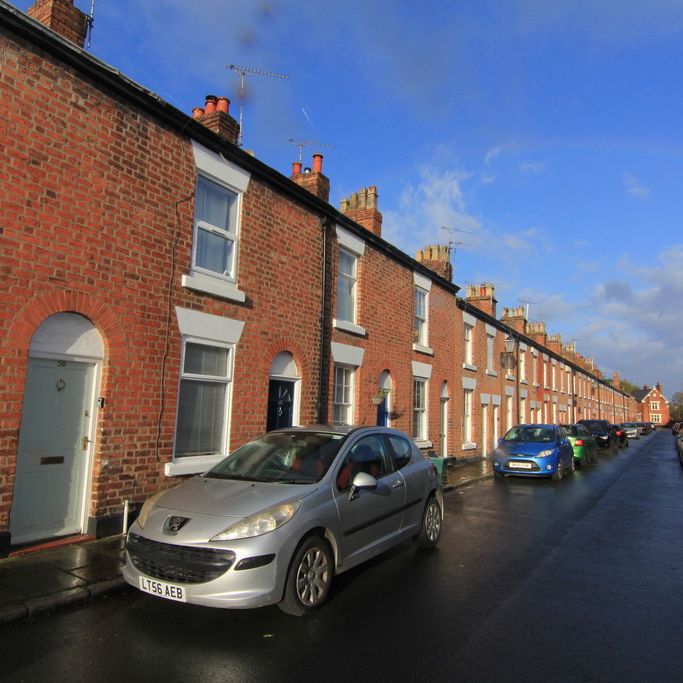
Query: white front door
x=484, y=430
x=443, y=429
x=53, y=450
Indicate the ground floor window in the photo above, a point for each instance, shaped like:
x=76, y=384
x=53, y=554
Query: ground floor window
x=467, y=416
x=342, y=401
x=203, y=400
x=420, y=409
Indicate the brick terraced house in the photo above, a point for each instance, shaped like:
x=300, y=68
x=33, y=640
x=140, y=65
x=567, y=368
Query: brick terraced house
x=168, y=297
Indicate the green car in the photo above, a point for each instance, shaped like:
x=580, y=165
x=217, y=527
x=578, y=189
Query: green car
x=584, y=444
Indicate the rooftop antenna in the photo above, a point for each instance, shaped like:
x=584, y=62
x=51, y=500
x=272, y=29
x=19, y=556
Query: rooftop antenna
x=526, y=306
x=90, y=20
x=243, y=72
x=453, y=243
x=300, y=144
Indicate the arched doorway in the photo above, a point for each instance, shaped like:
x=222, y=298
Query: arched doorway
x=57, y=429
x=444, y=398
x=283, y=393
x=384, y=399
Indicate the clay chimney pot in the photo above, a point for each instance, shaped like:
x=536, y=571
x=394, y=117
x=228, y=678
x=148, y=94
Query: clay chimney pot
x=223, y=104
x=210, y=105
x=317, y=163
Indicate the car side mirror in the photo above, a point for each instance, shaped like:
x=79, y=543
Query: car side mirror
x=501, y=441
x=362, y=480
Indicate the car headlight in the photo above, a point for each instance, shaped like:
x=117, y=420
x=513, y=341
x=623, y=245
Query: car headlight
x=147, y=508
x=546, y=453
x=260, y=523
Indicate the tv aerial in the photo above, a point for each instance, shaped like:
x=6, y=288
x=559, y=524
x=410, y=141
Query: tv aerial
x=300, y=144
x=89, y=22
x=243, y=72
x=452, y=244
x=526, y=306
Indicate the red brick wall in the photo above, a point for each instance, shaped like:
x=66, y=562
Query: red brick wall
x=97, y=219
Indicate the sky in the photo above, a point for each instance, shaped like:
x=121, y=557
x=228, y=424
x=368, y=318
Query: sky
x=542, y=139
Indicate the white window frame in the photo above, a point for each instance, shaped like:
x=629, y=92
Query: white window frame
x=355, y=247
x=212, y=167
x=467, y=426
x=223, y=380
x=654, y=405
x=351, y=278
x=490, y=351
x=421, y=290
x=420, y=434
x=208, y=330
x=347, y=402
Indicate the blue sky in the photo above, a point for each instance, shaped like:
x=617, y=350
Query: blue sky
x=546, y=135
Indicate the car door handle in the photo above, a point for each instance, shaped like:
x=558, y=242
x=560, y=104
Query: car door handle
x=397, y=484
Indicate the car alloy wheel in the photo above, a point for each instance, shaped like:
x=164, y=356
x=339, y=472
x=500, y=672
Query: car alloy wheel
x=309, y=577
x=431, y=525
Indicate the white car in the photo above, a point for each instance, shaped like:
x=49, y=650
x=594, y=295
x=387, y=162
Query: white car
x=277, y=519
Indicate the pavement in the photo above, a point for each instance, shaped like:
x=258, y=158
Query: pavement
x=72, y=571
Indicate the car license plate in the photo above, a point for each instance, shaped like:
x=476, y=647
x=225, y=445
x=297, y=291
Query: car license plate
x=519, y=465
x=162, y=589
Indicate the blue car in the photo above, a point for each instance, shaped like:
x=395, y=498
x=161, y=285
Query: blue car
x=534, y=450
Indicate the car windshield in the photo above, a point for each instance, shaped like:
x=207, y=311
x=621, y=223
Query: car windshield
x=572, y=430
x=526, y=433
x=282, y=457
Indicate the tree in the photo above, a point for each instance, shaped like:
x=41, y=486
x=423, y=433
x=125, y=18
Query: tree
x=676, y=406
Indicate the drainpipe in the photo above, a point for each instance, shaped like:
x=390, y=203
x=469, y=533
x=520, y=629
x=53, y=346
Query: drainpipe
x=324, y=370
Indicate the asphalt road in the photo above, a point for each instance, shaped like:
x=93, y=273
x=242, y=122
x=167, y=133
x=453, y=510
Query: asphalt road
x=534, y=580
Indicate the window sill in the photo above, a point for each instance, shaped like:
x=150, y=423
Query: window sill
x=492, y=373
x=523, y=381
x=423, y=349
x=215, y=286
x=422, y=444
x=469, y=446
x=346, y=326
x=191, y=465
x=467, y=366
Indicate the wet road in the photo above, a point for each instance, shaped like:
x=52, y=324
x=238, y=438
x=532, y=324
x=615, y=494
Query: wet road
x=579, y=580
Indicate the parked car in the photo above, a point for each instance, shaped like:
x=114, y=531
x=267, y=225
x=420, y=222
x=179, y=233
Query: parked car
x=602, y=431
x=620, y=436
x=583, y=443
x=274, y=521
x=644, y=428
x=534, y=450
x=679, y=446
x=632, y=430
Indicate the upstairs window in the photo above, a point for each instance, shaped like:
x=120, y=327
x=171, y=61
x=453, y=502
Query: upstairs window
x=218, y=199
x=468, y=343
x=420, y=326
x=215, y=228
x=346, y=286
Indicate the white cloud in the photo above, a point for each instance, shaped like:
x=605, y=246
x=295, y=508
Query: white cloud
x=635, y=188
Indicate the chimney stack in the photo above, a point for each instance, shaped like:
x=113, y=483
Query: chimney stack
x=536, y=332
x=515, y=318
x=361, y=207
x=436, y=258
x=215, y=115
x=62, y=17
x=483, y=297
x=313, y=179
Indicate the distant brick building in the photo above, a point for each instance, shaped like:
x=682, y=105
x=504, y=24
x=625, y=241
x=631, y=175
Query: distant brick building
x=653, y=405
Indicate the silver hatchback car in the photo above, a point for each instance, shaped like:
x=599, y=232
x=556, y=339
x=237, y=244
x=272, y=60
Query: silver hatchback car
x=278, y=518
